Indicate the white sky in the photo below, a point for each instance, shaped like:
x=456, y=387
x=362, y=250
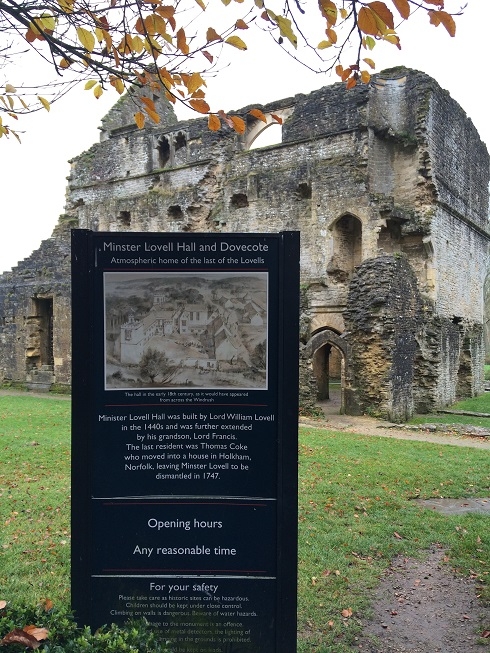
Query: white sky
x=33, y=174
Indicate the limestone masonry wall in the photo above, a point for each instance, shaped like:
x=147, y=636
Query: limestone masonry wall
x=388, y=185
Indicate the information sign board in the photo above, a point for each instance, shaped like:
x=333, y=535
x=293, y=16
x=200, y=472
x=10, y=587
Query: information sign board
x=184, y=476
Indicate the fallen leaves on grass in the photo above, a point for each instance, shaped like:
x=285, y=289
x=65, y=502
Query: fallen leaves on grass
x=29, y=636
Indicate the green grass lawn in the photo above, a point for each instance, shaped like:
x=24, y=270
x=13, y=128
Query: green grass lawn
x=480, y=404
x=356, y=513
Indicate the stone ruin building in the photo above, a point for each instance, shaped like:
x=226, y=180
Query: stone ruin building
x=388, y=185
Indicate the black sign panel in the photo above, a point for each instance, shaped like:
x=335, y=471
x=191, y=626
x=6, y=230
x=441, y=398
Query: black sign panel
x=185, y=436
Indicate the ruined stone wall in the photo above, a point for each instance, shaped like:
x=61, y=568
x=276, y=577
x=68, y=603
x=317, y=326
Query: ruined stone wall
x=388, y=185
x=35, y=309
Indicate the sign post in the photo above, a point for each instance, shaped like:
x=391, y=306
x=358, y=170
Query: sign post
x=185, y=391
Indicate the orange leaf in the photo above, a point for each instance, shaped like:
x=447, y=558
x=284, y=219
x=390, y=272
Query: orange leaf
x=381, y=10
x=166, y=11
x=257, y=113
x=332, y=35
x=403, y=8
x=239, y=124
x=214, y=123
x=438, y=17
x=154, y=116
x=47, y=604
x=366, y=21
x=278, y=119
x=329, y=11
x=199, y=105
x=347, y=612
x=398, y=536
x=351, y=82
x=35, y=631
x=182, y=42
x=212, y=35
x=3, y=604
x=241, y=24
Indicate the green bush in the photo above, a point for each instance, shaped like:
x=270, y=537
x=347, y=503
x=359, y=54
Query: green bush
x=64, y=636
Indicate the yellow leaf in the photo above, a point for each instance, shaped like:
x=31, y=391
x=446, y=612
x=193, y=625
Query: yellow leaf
x=181, y=42
x=239, y=124
x=201, y=4
x=370, y=63
x=90, y=84
x=86, y=38
x=138, y=45
x=214, y=123
x=199, y=105
x=48, y=23
x=212, y=35
x=236, y=42
x=118, y=84
x=284, y=25
x=11, y=102
x=323, y=45
x=365, y=77
x=392, y=38
x=226, y=2
x=64, y=63
x=257, y=113
x=44, y=102
x=369, y=42
x=10, y=89
x=403, y=8
x=343, y=13
x=139, y=119
x=98, y=91
x=241, y=24
x=66, y=6
x=194, y=82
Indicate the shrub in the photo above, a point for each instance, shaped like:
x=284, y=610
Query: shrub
x=64, y=636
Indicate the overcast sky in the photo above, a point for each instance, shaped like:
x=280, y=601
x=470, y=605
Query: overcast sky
x=33, y=174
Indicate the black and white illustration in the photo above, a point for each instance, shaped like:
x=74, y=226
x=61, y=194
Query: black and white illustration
x=184, y=330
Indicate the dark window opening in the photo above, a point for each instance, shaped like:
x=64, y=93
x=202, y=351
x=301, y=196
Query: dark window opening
x=303, y=192
x=124, y=218
x=239, y=201
x=175, y=212
x=180, y=141
x=163, y=148
x=457, y=319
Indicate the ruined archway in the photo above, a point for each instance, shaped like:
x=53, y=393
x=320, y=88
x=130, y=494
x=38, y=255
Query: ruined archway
x=319, y=351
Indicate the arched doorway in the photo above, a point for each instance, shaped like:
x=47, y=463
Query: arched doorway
x=329, y=356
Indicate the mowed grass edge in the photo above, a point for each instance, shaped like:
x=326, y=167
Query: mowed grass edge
x=356, y=513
